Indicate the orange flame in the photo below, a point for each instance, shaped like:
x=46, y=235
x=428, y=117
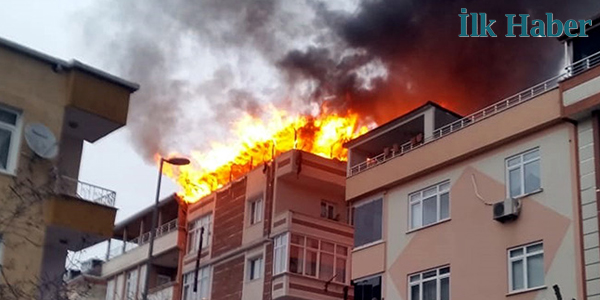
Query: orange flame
x=258, y=141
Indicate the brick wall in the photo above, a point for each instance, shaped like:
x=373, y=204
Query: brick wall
x=228, y=223
x=228, y=279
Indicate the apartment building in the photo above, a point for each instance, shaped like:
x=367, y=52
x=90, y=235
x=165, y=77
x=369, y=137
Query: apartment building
x=499, y=204
x=45, y=209
x=278, y=232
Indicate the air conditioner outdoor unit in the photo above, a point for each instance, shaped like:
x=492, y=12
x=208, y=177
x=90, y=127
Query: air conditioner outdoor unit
x=507, y=210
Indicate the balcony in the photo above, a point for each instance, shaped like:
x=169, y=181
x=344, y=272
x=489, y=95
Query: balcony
x=79, y=213
x=162, y=292
x=142, y=239
x=581, y=89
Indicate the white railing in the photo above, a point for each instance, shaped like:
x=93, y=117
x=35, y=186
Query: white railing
x=455, y=126
x=142, y=239
x=85, y=191
x=583, y=64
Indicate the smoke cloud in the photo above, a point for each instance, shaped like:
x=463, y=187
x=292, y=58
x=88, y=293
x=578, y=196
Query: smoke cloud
x=202, y=64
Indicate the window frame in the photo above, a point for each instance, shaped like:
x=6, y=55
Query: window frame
x=524, y=257
x=438, y=193
x=438, y=278
x=319, y=253
x=521, y=166
x=255, y=215
x=283, y=261
x=192, y=243
x=328, y=205
x=362, y=203
x=15, y=139
x=362, y=279
x=204, y=273
x=251, y=264
x=131, y=281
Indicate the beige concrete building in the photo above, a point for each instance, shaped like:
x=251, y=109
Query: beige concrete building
x=500, y=204
x=278, y=232
x=44, y=209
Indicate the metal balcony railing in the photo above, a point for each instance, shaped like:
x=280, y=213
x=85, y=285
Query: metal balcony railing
x=85, y=191
x=142, y=239
x=572, y=70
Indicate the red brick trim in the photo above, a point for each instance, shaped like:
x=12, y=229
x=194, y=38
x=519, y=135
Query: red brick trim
x=283, y=163
x=316, y=290
x=280, y=222
x=278, y=286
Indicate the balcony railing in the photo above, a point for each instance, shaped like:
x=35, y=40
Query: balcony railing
x=142, y=239
x=85, y=191
x=502, y=105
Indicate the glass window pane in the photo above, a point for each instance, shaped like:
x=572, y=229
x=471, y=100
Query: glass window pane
x=323, y=209
x=516, y=252
x=445, y=270
x=535, y=248
x=531, y=155
x=340, y=270
x=532, y=176
x=513, y=161
x=535, y=270
x=444, y=206
x=341, y=250
x=326, y=266
x=430, y=290
x=8, y=117
x=415, y=197
x=415, y=278
x=312, y=243
x=4, y=147
x=311, y=263
x=514, y=179
x=429, y=274
x=415, y=214
x=296, y=259
x=444, y=186
x=327, y=247
x=367, y=223
x=445, y=289
x=297, y=239
x=517, y=275
x=414, y=292
x=429, y=192
x=429, y=210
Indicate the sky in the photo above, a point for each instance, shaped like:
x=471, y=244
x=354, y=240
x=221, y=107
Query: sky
x=111, y=162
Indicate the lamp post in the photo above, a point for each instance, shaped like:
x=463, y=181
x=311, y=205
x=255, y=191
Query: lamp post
x=176, y=161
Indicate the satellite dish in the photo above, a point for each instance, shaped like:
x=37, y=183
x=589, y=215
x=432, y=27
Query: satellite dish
x=41, y=140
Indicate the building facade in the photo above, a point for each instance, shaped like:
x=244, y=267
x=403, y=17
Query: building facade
x=499, y=204
x=44, y=209
x=278, y=232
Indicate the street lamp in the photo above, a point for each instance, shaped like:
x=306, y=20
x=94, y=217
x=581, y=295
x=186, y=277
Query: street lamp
x=176, y=161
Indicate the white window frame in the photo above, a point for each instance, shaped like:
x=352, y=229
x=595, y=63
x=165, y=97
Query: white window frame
x=438, y=278
x=194, y=233
x=364, y=202
x=15, y=138
x=131, y=284
x=521, y=165
x=204, y=277
x=418, y=197
x=524, y=257
x=281, y=248
x=256, y=208
x=110, y=288
x=255, y=264
x=328, y=205
x=320, y=251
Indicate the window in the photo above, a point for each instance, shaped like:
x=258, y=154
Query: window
x=255, y=268
x=194, y=233
x=368, y=289
x=318, y=259
x=328, y=210
x=256, y=211
x=10, y=124
x=430, y=205
x=131, y=284
x=110, y=290
x=203, y=285
x=526, y=267
x=280, y=254
x=367, y=222
x=430, y=285
x=523, y=173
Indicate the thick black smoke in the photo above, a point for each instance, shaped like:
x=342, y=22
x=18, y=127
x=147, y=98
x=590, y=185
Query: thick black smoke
x=202, y=64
